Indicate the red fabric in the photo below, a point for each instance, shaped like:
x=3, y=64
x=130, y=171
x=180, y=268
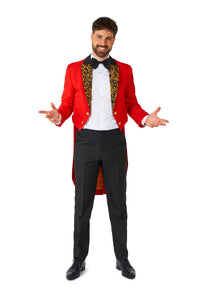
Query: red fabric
x=74, y=101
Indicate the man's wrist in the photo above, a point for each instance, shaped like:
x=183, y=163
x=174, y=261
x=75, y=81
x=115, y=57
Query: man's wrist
x=143, y=120
x=60, y=119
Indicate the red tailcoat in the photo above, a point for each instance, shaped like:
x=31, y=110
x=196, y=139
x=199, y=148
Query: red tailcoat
x=77, y=97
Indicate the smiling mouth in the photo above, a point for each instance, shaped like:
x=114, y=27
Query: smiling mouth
x=101, y=48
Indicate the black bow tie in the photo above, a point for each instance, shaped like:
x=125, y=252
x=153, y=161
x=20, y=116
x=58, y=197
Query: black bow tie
x=95, y=63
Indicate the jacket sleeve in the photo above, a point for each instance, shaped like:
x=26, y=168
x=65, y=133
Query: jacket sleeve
x=134, y=110
x=67, y=101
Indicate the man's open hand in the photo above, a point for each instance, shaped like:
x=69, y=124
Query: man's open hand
x=154, y=121
x=52, y=115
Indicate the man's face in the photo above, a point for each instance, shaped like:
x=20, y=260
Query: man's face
x=102, y=42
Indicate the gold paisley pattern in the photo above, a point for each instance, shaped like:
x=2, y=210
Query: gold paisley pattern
x=114, y=79
x=87, y=81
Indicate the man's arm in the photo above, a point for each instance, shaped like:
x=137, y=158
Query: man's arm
x=58, y=116
x=67, y=103
x=134, y=110
x=141, y=117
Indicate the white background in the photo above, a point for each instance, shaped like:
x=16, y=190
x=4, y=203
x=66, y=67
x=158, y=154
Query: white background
x=159, y=39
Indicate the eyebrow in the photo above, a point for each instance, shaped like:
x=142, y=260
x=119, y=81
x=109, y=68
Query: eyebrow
x=108, y=37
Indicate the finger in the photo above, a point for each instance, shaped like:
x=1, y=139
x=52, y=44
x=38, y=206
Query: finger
x=50, y=119
x=43, y=112
x=157, y=110
x=53, y=106
x=163, y=120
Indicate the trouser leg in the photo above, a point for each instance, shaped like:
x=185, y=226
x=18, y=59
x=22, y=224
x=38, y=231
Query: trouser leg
x=86, y=173
x=114, y=164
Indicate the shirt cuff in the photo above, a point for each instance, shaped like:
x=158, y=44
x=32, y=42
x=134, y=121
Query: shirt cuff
x=58, y=123
x=143, y=120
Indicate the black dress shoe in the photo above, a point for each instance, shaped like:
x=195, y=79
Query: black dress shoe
x=75, y=270
x=126, y=268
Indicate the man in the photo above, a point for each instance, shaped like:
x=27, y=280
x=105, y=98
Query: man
x=100, y=92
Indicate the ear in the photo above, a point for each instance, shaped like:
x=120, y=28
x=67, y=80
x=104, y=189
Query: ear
x=92, y=34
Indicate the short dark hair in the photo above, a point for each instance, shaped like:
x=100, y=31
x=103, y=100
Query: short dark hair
x=105, y=23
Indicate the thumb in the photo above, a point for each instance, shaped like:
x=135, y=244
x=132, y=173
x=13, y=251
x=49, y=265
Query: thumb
x=53, y=106
x=157, y=110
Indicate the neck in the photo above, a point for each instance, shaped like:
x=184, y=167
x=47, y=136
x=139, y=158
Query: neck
x=99, y=58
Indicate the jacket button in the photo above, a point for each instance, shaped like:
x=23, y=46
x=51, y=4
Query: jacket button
x=87, y=113
x=115, y=113
x=82, y=122
x=119, y=123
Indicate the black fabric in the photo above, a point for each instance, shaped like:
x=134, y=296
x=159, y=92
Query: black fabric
x=88, y=60
x=95, y=63
x=93, y=148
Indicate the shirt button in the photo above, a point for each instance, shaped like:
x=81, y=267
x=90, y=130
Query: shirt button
x=87, y=113
x=115, y=113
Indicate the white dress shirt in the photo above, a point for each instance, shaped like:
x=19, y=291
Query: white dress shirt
x=101, y=117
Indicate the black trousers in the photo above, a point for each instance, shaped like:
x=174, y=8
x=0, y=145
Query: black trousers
x=93, y=148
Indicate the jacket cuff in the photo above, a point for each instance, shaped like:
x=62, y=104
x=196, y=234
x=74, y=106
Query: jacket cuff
x=143, y=120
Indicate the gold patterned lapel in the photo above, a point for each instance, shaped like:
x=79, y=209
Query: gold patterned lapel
x=86, y=69
x=114, y=79
x=87, y=82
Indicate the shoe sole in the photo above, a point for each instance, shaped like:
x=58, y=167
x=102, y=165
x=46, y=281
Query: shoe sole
x=126, y=275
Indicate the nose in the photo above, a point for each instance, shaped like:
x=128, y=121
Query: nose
x=103, y=42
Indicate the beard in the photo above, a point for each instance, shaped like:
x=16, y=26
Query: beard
x=99, y=53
